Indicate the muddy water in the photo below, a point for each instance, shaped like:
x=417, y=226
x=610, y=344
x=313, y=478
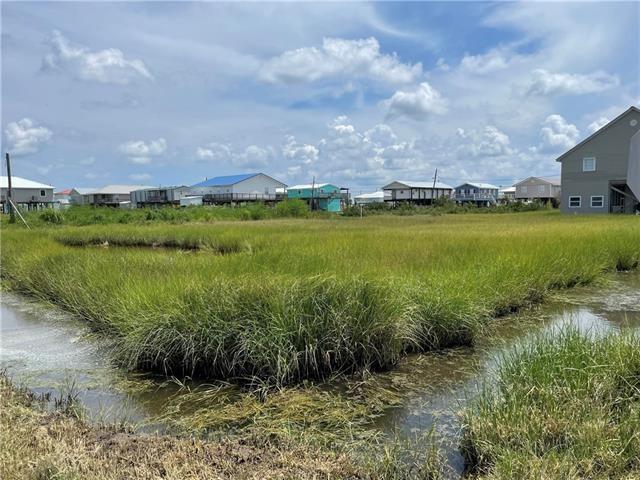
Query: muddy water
x=49, y=351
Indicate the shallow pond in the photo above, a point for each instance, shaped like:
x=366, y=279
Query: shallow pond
x=49, y=351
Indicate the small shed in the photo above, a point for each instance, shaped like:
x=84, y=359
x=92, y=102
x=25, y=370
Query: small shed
x=319, y=196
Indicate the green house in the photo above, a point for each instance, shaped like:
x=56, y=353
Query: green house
x=320, y=196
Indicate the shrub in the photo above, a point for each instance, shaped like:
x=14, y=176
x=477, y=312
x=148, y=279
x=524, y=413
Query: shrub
x=51, y=216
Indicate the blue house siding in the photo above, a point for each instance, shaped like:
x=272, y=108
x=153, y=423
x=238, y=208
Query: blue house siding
x=325, y=196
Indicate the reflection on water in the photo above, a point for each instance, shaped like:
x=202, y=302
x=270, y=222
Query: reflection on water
x=445, y=381
x=48, y=351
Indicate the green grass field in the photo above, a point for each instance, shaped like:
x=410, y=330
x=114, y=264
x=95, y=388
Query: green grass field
x=564, y=406
x=285, y=300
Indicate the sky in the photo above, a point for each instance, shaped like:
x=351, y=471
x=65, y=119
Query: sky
x=355, y=94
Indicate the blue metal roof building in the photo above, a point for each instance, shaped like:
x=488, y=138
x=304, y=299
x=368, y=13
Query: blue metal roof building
x=225, y=180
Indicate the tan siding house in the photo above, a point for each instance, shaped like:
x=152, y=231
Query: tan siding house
x=538, y=188
x=598, y=174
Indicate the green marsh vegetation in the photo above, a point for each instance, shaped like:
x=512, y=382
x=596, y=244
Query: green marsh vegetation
x=280, y=301
x=564, y=406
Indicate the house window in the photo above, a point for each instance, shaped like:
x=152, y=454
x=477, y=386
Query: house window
x=42, y=193
x=524, y=189
x=589, y=164
x=597, y=201
x=540, y=188
x=575, y=202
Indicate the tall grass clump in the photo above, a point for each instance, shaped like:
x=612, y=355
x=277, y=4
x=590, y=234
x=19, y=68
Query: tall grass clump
x=287, y=300
x=564, y=406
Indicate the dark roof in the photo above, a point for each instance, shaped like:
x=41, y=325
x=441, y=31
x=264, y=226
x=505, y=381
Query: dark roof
x=225, y=180
x=598, y=132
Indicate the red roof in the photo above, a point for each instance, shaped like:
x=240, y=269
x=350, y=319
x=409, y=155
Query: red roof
x=65, y=192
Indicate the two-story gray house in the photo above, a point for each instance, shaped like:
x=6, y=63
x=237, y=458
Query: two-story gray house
x=482, y=194
x=601, y=174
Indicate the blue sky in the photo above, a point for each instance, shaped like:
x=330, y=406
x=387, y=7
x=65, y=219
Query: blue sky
x=357, y=94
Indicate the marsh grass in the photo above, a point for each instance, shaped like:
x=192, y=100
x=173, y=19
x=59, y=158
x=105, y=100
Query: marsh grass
x=306, y=299
x=565, y=406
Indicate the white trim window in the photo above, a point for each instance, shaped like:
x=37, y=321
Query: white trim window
x=524, y=189
x=589, y=164
x=575, y=202
x=540, y=188
x=597, y=201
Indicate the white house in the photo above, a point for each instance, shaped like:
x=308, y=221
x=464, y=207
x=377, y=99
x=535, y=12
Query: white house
x=421, y=193
x=368, y=198
x=239, y=188
x=25, y=193
x=507, y=194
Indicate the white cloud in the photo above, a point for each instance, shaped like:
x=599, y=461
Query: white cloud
x=140, y=152
x=442, y=65
x=418, y=103
x=557, y=134
x=215, y=151
x=492, y=61
x=252, y=156
x=300, y=153
x=339, y=58
x=598, y=124
x=25, y=136
x=544, y=82
x=491, y=142
x=104, y=66
x=140, y=176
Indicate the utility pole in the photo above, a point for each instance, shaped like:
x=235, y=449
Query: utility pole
x=12, y=214
x=313, y=189
x=433, y=190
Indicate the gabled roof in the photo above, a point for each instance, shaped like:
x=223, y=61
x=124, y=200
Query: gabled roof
x=66, y=191
x=379, y=194
x=412, y=184
x=83, y=190
x=598, y=132
x=551, y=180
x=168, y=187
x=232, y=180
x=19, y=182
x=479, y=185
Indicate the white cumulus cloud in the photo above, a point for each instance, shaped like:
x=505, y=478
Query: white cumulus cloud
x=298, y=152
x=339, y=58
x=140, y=152
x=597, y=124
x=489, y=62
x=557, y=134
x=26, y=136
x=418, y=103
x=490, y=142
x=253, y=156
x=543, y=82
x=104, y=66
